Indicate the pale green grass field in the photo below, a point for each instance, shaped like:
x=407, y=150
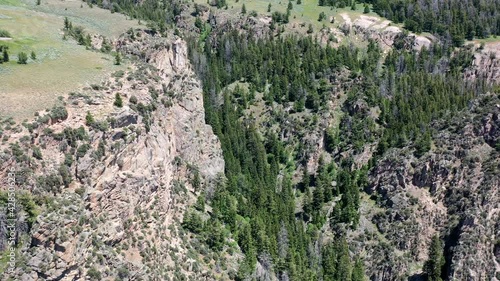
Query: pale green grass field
x=491, y=39
x=61, y=66
x=95, y=20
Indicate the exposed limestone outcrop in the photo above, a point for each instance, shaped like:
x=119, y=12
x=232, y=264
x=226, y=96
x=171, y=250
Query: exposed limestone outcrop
x=379, y=30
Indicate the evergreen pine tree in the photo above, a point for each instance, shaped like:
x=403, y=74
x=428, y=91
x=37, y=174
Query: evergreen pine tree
x=200, y=203
x=358, y=271
x=118, y=100
x=118, y=59
x=196, y=181
x=436, y=261
x=366, y=10
x=5, y=55
x=310, y=29
x=305, y=178
x=66, y=23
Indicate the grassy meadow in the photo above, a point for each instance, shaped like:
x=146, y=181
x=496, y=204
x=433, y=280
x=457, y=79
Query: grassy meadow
x=61, y=65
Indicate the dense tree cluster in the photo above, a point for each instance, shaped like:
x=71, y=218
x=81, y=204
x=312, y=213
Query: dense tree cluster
x=453, y=20
x=77, y=33
x=337, y=265
x=416, y=88
x=337, y=3
x=410, y=88
x=255, y=203
x=297, y=69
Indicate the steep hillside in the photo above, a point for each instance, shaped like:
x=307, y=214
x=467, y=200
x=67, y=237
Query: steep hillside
x=112, y=182
x=451, y=190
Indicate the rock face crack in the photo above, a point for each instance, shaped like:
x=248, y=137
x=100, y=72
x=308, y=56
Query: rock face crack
x=65, y=273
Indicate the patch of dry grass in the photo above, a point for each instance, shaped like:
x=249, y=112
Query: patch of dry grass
x=61, y=66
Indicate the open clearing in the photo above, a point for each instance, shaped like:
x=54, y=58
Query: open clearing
x=61, y=66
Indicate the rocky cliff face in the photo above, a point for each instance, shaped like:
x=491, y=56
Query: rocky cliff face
x=382, y=31
x=486, y=63
x=115, y=189
x=452, y=191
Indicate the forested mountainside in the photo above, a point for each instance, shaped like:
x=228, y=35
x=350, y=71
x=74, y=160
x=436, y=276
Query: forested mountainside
x=238, y=146
x=393, y=106
x=454, y=21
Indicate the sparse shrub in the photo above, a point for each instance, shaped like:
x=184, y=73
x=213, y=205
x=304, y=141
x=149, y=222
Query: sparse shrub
x=82, y=150
x=101, y=150
x=119, y=74
x=96, y=87
x=37, y=153
x=65, y=175
x=94, y=274
x=5, y=33
x=133, y=100
x=322, y=16
x=123, y=273
x=105, y=46
x=22, y=58
x=89, y=119
x=68, y=159
x=58, y=113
